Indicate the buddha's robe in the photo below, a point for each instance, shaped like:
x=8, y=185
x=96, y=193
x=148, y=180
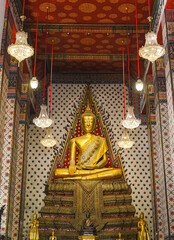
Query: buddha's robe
x=92, y=159
x=92, y=154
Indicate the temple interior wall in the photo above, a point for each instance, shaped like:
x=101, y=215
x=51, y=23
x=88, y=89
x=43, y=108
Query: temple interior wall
x=135, y=161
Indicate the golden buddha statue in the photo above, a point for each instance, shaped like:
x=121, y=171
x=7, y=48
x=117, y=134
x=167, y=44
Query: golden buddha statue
x=34, y=232
x=53, y=237
x=143, y=233
x=92, y=156
x=119, y=236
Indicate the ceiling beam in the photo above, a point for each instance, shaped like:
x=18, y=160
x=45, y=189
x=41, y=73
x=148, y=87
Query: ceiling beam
x=86, y=56
x=87, y=28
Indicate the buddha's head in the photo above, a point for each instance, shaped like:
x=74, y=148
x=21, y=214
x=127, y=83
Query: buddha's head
x=53, y=233
x=88, y=120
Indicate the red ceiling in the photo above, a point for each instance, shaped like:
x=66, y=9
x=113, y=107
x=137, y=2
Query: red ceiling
x=81, y=43
x=92, y=46
x=84, y=12
x=170, y=4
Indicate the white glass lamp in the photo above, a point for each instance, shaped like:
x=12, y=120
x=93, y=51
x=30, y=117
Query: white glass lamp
x=43, y=121
x=152, y=50
x=125, y=141
x=48, y=140
x=34, y=83
x=130, y=121
x=21, y=49
x=139, y=85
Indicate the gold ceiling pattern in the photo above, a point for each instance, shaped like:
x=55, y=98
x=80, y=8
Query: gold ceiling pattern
x=89, y=29
x=83, y=12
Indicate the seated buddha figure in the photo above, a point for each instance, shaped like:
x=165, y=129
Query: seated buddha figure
x=92, y=156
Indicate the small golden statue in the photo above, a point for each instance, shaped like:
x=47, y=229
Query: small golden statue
x=143, y=233
x=53, y=237
x=34, y=232
x=92, y=154
x=119, y=236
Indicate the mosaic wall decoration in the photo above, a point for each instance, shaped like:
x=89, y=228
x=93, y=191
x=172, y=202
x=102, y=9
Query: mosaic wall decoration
x=167, y=30
x=109, y=99
x=155, y=191
x=10, y=109
x=2, y=111
x=18, y=181
x=23, y=185
x=161, y=152
x=5, y=172
x=4, y=73
x=13, y=161
x=160, y=175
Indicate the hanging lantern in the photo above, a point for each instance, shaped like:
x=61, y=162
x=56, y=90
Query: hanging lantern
x=43, y=121
x=139, y=85
x=152, y=50
x=125, y=142
x=21, y=49
x=124, y=96
x=48, y=140
x=131, y=121
x=34, y=83
x=138, y=60
x=128, y=58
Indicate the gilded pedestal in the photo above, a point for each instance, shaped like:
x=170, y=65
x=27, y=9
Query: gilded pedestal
x=108, y=202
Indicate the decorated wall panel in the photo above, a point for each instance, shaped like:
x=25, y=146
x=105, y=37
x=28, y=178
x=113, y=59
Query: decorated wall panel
x=167, y=30
x=18, y=181
x=109, y=100
x=4, y=74
x=5, y=177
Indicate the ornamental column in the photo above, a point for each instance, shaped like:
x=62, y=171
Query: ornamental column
x=162, y=160
x=6, y=118
x=2, y=17
x=14, y=158
x=151, y=130
x=13, y=132
x=164, y=163
x=4, y=74
x=168, y=34
x=12, y=110
x=21, y=161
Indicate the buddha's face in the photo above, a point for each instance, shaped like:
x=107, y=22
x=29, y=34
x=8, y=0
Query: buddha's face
x=88, y=123
x=142, y=215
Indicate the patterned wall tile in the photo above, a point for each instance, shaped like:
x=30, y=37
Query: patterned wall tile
x=167, y=31
x=160, y=175
x=13, y=160
x=24, y=180
x=2, y=112
x=18, y=181
x=6, y=159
